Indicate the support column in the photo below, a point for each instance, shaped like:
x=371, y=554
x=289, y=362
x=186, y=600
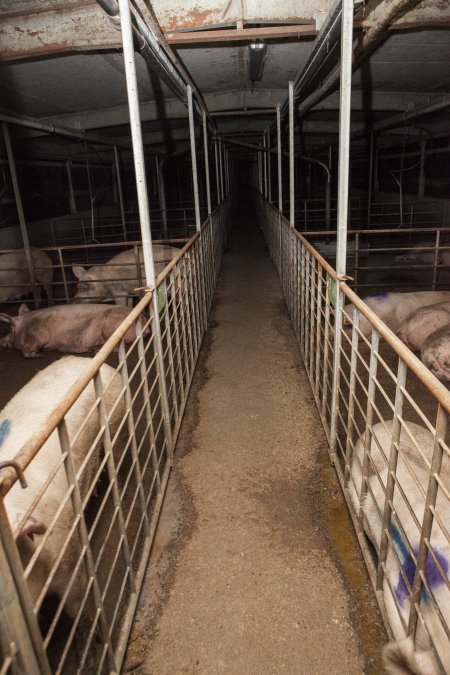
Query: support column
x=269, y=166
x=119, y=189
x=207, y=176
x=22, y=223
x=328, y=190
x=280, y=177
x=222, y=194
x=342, y=215
x=291, y=156
x=216, y=158
x=421, y=190
x=144, y=213
x=193, y=159
x=162, y=194
x=72, y=202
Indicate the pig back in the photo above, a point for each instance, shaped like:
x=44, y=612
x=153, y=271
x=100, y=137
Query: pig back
x=42, y=507
x=17, y=282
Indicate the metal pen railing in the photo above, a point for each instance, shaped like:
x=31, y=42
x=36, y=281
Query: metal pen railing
x=392, y=259
x=389, y=443
x=97, y=467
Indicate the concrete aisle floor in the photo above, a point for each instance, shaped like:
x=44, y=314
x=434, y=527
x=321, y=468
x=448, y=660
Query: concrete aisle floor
x=245, y=576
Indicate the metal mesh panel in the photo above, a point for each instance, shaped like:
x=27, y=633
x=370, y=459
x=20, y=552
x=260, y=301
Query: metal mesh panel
x=388, y=438
x=74, y=544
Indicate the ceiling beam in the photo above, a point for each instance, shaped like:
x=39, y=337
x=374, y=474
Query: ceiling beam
x=72, y=28
x=298, y=31
x=80, y=25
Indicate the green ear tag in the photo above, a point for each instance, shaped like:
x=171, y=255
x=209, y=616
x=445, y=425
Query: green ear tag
x=332, y=292
x=162, y=296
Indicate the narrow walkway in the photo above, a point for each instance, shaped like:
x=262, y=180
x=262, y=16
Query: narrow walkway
x=251, y=587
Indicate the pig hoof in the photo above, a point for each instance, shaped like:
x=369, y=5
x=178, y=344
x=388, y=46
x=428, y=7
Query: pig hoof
x=33, y=355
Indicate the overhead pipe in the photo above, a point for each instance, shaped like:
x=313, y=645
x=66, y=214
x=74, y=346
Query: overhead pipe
x=326, y=39
x=154, y=48
x=305, y=158
x=401, y=118
x=374, y=36
x=50, y=128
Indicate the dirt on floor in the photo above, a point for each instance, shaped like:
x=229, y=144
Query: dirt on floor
x=255, y=568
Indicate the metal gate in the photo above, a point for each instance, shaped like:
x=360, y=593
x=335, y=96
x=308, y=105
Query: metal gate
x=386, y=420
x=75, y=543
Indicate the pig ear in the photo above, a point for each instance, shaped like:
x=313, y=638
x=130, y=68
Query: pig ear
x=6, y=318
x=23, y=309
x=78, y=270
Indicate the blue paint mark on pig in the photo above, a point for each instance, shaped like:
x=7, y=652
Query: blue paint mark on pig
x=5, y=429
x=433, y=574
x=380, y=296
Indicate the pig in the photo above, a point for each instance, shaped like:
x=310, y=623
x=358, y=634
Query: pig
x=41, y=524
x=435, y=352
x=393, y=308
x=14, y=283
x=403, y=656
x=424, y=252
x=70, y=329
x=421, y=323
x=117, y=278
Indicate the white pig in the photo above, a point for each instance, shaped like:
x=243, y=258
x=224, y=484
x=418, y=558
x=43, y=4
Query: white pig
x=117, y=278
x=393, y=308
x=421, y=323
x=424, y=252
x=401, y=656
x=37, y=520
x=435, y=352
x=14, y=283
x=70, y=329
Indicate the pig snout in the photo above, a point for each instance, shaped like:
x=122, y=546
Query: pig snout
x=7, y=341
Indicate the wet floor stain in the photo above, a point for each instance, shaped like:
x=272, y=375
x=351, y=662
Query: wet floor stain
x=338, y=528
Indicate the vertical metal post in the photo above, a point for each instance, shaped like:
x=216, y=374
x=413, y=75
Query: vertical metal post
x=266, y=177
x=216, y=158
x=162, y=195
x=291, y=155
x=207, y=176
x=259, y=171
x=222, y=194
x=369, y=186
x=193, y=158
x=144, y=215
x=22, y=223
x=72, y=202
x=421, y=190
x=280, y=177
x=343, y=177
x=269, y=167
x=328, y=190
x=375, y=170
x=119, y=188
x=227, y=170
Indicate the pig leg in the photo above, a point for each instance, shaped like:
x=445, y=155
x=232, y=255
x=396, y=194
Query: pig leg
x=37, y=292
x=34, y=342
x=48, y=292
